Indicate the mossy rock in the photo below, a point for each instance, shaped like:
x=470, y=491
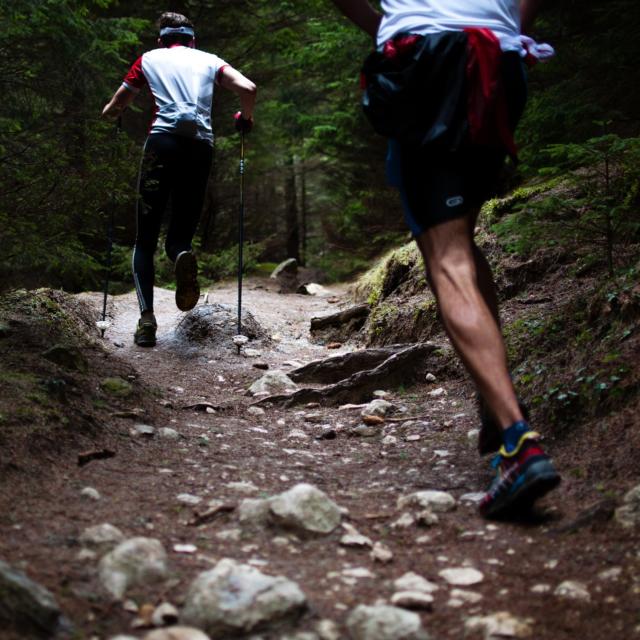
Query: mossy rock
x=117, y=387
x=67, y=356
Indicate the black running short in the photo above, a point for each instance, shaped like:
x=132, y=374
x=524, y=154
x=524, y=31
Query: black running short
x=437, y=186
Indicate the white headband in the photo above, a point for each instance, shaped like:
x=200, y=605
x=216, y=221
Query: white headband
x=171, y=31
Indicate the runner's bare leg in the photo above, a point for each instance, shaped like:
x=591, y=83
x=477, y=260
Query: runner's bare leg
x=462, y=283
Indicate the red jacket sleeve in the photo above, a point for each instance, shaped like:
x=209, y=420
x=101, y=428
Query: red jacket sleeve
x=135, y=79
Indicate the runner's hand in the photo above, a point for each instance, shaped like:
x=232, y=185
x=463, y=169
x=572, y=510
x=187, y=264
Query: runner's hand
x=242, y=125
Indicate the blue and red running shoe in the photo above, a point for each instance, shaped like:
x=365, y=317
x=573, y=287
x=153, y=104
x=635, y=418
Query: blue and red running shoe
x=524, y=474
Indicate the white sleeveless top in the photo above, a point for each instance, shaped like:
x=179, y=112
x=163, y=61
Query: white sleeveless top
x=433, y=16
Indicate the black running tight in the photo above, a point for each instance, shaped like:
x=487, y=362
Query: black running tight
x=173, y=167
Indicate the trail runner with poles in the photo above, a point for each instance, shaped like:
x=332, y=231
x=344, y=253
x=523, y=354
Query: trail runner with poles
x=177, y=155
x=446, y=84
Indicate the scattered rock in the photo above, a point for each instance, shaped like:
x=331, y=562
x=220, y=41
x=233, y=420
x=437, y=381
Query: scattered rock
x=313, y=289
x=378, y=407
x=256, y=411
x=405, y=521
x=305, y=508
x=353, y=538
x=426, y=518
x=381, y=553
x=430, y=377
x=389, y=440
x=436, y=501
x=573, y=590
x=382, y=622
x=610, y=574
x=253, y=512
x=117, y=387
x=90, y=493
x=328, y=630
x=248, y=352
x=102, y=537
x=187, y=498
x=185, y=548
x=540, y=588
x=272, y=382
x=133, y=562
x=460, y=597
x=365, y=431
x=142, y=431
x=286, y=273
x=66, y=356
x=628, y=515
x=500, y=625
x=437, y=393
x=177, y=633
x=297, y=434
x=25, y=605
x=412, y=600
x=234, y=598
x=414, y=582
x=462, y=576
x=164, y=615
x=242, y=487
x=166, y=433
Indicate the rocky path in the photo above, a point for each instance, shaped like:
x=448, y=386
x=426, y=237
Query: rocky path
x=304, y=523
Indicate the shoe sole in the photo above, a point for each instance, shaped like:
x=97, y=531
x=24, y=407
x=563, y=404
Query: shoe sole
x=144, y=342
x=187, y=287
x=542, y=478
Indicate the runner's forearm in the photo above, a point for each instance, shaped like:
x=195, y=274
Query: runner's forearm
x=361, y=13
x=246, y=90
x=529, y=9
x=122, y=98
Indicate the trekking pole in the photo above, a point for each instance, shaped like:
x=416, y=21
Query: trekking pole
x=104, y=324
x=240, y=339
x=241, y=233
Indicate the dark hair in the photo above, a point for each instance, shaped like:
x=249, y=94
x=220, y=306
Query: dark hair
x=170, y=19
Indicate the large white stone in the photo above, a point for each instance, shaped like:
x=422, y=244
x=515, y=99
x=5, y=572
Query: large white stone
x=275, y=381
x=305, y=508
x=236, y=598
x=383, y=622
x=133, y=562
x=437, y=501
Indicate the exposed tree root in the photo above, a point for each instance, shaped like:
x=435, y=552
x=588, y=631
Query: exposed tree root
x=336, y=368
x=399, y=368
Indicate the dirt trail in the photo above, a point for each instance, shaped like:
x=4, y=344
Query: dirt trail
x=522, y=563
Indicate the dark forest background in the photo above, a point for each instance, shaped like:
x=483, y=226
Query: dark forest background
x=315, y=175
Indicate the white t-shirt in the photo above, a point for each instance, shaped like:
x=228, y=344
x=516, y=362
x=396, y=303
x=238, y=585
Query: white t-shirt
x=182, y=81
x=433, y=16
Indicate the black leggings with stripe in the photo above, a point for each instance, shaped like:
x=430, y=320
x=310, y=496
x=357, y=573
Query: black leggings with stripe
x=173, y=167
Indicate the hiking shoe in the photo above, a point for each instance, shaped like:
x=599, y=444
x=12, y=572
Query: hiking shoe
x=187, y=287
x=145, y=335
x=523, y=475
x=490, y=437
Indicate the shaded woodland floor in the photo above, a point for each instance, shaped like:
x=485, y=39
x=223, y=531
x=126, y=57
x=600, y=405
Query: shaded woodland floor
x=571, y=536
